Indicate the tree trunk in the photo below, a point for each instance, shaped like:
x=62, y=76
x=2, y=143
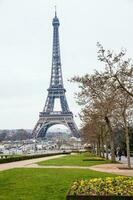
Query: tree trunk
x=112, y=137
x=128, y=147
x=102, y=143
x=127, y=141
x=98, y=147
x=94, y=148
x=106, y=144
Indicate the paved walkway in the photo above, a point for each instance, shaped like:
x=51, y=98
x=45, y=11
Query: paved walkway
x=109, y=168
x=114, y=169
x=35, y=165
x=24, y=163
x=32, y=163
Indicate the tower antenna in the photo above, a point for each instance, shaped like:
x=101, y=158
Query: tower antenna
x=55, y=11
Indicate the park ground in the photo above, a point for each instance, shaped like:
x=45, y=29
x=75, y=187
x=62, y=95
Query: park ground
x=49, y=179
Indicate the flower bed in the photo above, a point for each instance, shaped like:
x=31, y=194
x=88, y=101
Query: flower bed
x=110, y=188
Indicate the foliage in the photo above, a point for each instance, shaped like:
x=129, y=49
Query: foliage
x=121, y=186
x=13, y=135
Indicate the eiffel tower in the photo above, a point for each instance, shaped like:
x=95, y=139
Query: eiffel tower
x=48, y=117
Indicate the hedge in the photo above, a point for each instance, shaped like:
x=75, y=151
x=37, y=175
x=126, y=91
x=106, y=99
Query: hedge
x=26, y=157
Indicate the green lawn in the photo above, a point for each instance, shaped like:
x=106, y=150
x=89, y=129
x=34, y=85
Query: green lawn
x=76, y=159
x=41, y=184
x=47, y=184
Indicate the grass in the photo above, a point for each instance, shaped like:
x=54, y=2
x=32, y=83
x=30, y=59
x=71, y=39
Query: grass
x=47, y=184
x=84, y=159
x=41, y=184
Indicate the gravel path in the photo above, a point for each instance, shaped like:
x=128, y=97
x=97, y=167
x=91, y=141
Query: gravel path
x=35, y=165
x=109, y=168
x=114, y=169
x=24, y=163
x=32, y=163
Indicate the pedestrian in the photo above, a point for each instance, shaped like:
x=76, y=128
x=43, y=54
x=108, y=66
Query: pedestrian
x=119, y=153
x=125, y=152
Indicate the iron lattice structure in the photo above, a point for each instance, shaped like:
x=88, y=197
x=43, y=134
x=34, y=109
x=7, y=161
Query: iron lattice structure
x=48, y=117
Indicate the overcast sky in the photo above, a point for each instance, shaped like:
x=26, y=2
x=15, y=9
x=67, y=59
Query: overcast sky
x=26, y=49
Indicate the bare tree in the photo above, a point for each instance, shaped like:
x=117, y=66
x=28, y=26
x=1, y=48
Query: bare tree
x=125, y=107
x=120, y=73
x=109, y=95
x=98, y=92
x=117, y=68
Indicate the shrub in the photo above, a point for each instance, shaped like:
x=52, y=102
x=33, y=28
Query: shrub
x=18, y=158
